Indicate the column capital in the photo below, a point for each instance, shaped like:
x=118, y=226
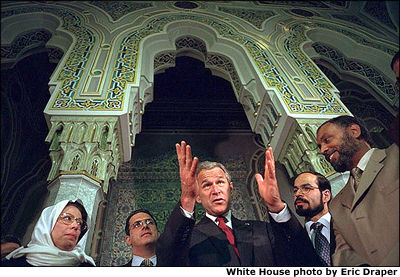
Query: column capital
x=85, y=145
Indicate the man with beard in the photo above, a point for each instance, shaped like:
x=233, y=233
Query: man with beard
x=365, y=212
x=311, y=194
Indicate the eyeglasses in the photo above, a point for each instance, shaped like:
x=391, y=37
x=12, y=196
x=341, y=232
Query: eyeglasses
x=304, y=189
x=139, y=223
x=68, y=219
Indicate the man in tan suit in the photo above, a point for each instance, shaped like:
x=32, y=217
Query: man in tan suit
x=366, y=211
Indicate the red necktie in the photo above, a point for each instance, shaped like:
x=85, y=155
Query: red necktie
x=228, y=232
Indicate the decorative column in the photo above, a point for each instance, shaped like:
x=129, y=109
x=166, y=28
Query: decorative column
x=85, y=154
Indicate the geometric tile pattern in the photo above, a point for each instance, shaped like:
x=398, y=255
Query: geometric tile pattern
x=31, y=39
x=117, y=9
x=385, y=86
x=72, y=71
x=124, y=67
x=255, y=17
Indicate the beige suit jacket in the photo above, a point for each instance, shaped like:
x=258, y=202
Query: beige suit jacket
x=366, y=223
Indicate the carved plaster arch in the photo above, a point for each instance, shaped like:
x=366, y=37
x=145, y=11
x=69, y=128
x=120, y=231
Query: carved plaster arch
x=363, y=53
x=251, y=85
x=13, y=26
x=165, y=42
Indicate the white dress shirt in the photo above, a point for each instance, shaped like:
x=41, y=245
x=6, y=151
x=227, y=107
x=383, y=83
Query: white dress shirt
x=227, y=215
x=284, y=216
x=362, y=164
x=136, y=260
x=325, y=220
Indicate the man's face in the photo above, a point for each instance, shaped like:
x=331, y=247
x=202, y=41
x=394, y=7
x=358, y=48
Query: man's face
x=65, y=237
x=214, y=191
x=337, y=146
x=144, y=234
x=308, y=199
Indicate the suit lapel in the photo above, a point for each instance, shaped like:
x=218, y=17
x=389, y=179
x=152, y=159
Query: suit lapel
x=243, y=237
x=347, y=195
x=374, y=165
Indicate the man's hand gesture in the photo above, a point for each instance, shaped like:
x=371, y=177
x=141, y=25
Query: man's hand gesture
x=187, y=173
x=268, y=186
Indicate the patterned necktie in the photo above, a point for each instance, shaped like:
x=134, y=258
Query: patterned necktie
x=147, y=262
x=228, y=232
x=321, y=244
x=356, y=174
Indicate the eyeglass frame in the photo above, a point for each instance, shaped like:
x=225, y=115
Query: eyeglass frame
x=139, y=223
x=306, y=189
x=83, y=225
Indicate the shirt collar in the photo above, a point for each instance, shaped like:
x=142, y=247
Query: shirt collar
x=325, y=220
x=227, y=215
x=137, y=260
x=362, y=164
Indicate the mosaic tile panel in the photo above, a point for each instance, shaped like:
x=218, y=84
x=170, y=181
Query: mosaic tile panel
x=313, y=75
x=72, y=71
x=125, y=64
x=31, y=39
x=354, y=36
x=254, y=17
x=270, y=73
x=117, y=9
x=226, y=65
x=164, y=60
x=191, y=43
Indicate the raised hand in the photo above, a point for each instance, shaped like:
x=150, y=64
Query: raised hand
x=187, y=173
x=268, y=186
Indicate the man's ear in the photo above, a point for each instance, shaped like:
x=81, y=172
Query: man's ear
x=198, y=200
x=354, y=130
x=231, y=186
x=326, y=196
x=128, y=240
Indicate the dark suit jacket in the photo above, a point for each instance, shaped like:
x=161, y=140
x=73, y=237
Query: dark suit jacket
x=259, y=243
x=332, y=243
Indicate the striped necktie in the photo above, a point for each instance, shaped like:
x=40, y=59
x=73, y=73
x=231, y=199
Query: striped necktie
x=147, y=262
x=356, y=174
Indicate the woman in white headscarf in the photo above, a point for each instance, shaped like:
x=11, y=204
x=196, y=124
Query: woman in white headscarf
x=57, y=239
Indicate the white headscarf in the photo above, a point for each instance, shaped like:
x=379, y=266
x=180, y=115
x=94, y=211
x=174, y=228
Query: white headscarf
x=41, y=250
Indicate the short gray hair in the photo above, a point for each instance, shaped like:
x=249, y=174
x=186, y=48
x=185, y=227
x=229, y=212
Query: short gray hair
x=206, y=165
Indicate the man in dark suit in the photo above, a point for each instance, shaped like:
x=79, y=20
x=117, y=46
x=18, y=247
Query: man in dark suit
x=220, y=239
x=312, y=194
x=366, y=211
x=142, y=234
